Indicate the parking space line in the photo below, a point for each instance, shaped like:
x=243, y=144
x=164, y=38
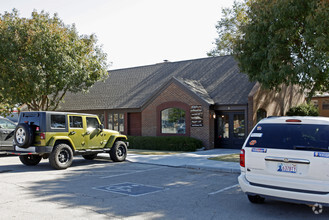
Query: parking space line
x=222, y=190
x=123, y=174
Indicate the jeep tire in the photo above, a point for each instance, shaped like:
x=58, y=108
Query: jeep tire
x=30, y=160
x=118, y=152
x=61, y=157
x=89, y=156
x=23, y=136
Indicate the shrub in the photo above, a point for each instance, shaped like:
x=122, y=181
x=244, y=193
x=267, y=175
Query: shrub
x=303, y=110
x=170, y=143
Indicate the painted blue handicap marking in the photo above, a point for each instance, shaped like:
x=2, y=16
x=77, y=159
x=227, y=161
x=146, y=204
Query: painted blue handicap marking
x=131, y=189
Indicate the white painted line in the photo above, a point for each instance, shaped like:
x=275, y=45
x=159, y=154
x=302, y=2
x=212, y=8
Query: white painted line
x=222, y=190
x=123, y=174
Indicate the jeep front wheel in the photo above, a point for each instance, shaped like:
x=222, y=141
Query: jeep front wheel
x=30, y=160
x=118, y=152
x=61, y=157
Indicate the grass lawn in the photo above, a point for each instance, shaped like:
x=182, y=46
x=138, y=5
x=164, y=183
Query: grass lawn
x=153, y=152
x=227, y=158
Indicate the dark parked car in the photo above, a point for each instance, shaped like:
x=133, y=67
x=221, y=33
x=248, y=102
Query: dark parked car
x=7, y=128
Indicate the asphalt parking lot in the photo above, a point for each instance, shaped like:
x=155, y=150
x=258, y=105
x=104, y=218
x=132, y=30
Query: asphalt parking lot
x=101, y=189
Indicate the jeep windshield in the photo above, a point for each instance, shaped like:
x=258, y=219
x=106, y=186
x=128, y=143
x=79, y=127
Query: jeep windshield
x=309, y=137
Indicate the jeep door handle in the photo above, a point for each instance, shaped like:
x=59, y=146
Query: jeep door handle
x=72, y=132
x=88, y=132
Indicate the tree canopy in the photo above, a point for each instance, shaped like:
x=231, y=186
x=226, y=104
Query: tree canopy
x=41, y=59
x=286, y=42
x=229, y=28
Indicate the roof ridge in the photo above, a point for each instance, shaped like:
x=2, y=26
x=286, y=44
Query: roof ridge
x=170, y=62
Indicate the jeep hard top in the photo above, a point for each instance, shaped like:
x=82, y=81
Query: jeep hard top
x=61, y=135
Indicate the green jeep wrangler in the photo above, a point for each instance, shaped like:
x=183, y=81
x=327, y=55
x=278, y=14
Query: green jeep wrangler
x=61, y=135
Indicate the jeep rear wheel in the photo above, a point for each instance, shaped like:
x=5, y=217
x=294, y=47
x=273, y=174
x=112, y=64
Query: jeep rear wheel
x=23, y=135
x=61, y=157
x=118, y=152
x=89, y=156
x=30, y=160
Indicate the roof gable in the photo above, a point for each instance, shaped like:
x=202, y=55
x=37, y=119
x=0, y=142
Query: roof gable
x=192, y=87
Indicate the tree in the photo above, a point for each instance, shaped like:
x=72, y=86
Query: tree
x=229, y=28
x=286, y=42
x=303, y=110
x=41, y=59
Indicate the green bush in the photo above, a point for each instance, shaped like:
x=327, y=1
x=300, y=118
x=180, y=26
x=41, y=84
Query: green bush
x=303, y=110
x=168, y=143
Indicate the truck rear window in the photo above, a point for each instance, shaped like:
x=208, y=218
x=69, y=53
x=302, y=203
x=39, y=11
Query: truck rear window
x=290, y=136
x=30, y=118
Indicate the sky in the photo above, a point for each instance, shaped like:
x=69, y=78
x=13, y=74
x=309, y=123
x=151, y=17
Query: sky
x=137, y=32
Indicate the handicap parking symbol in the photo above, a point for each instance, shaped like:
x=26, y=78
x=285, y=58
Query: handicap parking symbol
x=131, y=189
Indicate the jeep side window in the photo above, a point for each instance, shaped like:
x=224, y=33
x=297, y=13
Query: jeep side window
x=57, y=121
x=76, y=122
x=92, y=123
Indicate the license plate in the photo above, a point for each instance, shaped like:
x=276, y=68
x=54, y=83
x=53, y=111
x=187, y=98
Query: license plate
x=287, y=168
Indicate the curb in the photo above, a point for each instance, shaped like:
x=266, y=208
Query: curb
x=218, y=169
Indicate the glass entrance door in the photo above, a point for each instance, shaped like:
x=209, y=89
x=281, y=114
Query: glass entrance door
x=230, y=129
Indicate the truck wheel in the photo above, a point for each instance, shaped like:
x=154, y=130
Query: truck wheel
x=61, y=157
x=118, y=152
x=23, y=136
x=30, y=160
x=89, y=156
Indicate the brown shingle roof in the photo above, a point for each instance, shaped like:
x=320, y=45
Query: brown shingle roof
x=215, y=79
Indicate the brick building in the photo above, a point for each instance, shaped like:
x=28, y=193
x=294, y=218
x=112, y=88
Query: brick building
x=321, y=101
x=207, y=98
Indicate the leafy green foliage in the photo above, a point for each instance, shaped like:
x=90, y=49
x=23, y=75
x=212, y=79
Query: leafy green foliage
x=175, y=115
x=41, y=59
x=229, y=28
x=303, y=110
x=170, y=143
x=286, y=42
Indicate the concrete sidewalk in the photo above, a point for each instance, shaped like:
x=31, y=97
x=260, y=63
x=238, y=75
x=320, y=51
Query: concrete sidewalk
x=195, y=160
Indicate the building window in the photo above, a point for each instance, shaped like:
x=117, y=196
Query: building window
x=173, y=121
x=239, y=128
x=325, y=104
x=315, y=103
x=116, y=121
x=224, y=126
x=261, y=113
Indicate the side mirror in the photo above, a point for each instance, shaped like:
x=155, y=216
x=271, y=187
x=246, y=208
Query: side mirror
x=101, y=127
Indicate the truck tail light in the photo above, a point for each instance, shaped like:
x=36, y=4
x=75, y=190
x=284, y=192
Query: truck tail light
x=242, y=158
x=293, y=120
x=42, y=136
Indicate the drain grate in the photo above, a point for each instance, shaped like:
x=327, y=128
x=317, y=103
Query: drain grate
x=130, y=189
